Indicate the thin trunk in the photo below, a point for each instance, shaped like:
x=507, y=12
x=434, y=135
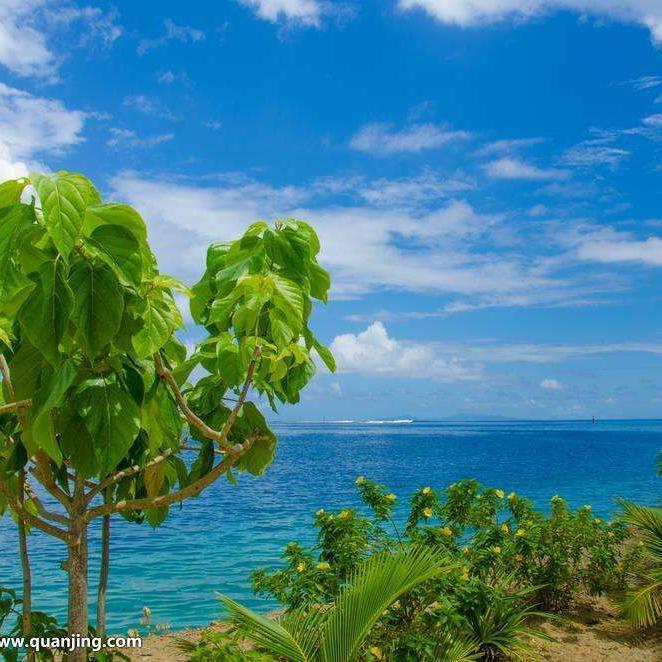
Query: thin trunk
x=25, y=565
x=77, y=567
x=105, y=570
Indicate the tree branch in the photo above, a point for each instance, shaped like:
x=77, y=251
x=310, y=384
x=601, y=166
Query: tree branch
x=15, y=406
x=215, y=435
x=46, y=514
x=233, y=453
x=28, y=517
x=174, y=497
x=125, y=473
x=49, y=484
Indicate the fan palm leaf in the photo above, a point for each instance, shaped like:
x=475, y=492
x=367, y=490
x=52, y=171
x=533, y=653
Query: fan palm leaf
x=377, y=584
x=643, y=606
x=337, y=632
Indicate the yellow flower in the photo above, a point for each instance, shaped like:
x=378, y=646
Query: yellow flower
x=511, y=496
x=465, y=550
x=323, y=566
x=301, y=567
x=360, y=480
x=344, y=514
x=329, y=517
x=499, y=493
x=320, y=512
x=520, y=533
x=505, y=528
x=426, y=490
x=447, y=531
x=641, y=543
x=427, y=512
x=597, y=520
x=391, y=497
x=495, y=550
x=377, y=652
x=465, y=575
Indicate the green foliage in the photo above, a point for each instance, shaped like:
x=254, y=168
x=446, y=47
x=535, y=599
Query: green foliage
x=509, y=561
x=85, y=313
x=43, y=626
x=337, y=633
x=643, y=604
x=219, y=647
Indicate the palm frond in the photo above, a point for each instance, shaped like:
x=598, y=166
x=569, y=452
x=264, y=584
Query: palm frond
x=374, y=587
x=266, y=632
x=457, y=649
x=649, y=522
x=643, y=607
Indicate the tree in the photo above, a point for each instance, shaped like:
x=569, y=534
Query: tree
x=95, y=398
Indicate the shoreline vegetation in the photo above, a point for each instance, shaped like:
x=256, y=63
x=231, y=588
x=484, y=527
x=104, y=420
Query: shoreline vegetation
x=567, y=599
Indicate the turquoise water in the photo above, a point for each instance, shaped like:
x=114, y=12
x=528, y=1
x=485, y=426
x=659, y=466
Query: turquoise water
x=213, y=542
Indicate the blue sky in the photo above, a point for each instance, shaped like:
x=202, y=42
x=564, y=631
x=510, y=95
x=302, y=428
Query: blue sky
x=484, y=175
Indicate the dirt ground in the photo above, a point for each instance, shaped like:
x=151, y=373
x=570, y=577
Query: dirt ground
x=588, y=633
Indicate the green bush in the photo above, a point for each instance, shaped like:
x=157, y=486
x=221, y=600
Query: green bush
x=508, y=561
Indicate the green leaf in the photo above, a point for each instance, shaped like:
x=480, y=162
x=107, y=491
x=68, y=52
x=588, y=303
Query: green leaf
x=45, y=314
x=229, y=364
x=288, y=298
x=98, y=304
x=111, y=417
x=25, y=367
x=253, y=425
x=11, y=190
x=204, y=463
x=320, y=282
x=40, y=430
x=120, y=250
x=77, y=443
x=14, y=221
x=64, y=200
x=161, y=421
x=160, y=318
x=326, y=355
x=153, y=477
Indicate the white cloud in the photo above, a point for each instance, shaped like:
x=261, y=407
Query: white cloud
x=304, y=12
x=129, y=139
x=551, y=385
x=31, y=127
x=374, y=352
x=173, y=32
x=467, y=13
x=653, y=120
x=147, y=106
x=382, y=139
x=594, y=152
x=648, y=252
x=515, y=168
x=26, y=27
x=24, y=50
x=500, y=147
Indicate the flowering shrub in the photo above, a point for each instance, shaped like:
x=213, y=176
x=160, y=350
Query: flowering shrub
x=507, y=557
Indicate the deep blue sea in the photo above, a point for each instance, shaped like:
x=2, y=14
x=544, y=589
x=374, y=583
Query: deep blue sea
x=214, y=542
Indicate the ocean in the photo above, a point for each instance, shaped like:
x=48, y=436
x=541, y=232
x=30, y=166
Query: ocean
x=212, y=543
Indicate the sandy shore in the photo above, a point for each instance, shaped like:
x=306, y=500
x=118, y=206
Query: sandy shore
x=588, y=633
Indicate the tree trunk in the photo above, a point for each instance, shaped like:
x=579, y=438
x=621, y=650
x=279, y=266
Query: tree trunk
x=103, y=576
x=26, y=617
x=77, y=569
